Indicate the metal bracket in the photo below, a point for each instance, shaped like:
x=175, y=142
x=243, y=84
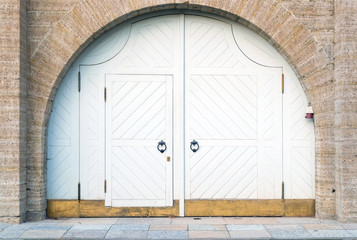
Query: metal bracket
x=282, y=83
x=282, y=190
x=105, y=94
x=79, y=191
x=79, y=81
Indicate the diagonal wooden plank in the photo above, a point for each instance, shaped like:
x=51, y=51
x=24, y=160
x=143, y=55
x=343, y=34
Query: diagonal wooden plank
x=217, y=113
x=133, y=111
x=130, y=175
x=142, y=177
x=145, y=116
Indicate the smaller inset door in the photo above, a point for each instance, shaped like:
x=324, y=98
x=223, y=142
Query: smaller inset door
x=139, y=140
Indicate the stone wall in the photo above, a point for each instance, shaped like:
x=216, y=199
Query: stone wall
x=13, y=111
x=346, y=109
x=303, y=31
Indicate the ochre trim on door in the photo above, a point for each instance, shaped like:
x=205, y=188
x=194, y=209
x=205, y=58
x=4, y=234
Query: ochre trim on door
x=62, y=208
x=268, y=208
x=96, y=208
x=299, y=207
x=244, y=208
x=250, y=208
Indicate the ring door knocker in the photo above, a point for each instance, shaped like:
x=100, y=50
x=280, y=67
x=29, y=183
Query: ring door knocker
x=194, y=146
x=161, y=146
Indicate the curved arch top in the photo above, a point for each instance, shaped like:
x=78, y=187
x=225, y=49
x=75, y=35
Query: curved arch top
x=193, y=69
x=88, y=20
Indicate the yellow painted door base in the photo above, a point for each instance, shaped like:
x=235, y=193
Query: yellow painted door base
x=244, y=208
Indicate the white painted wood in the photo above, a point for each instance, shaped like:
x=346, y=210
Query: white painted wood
x=138, y=116
x=63, y=142
x=179, y=124
x=222, y=97
x=92, y=138
x=298, y=137
x=299, y=150
x=234, y=111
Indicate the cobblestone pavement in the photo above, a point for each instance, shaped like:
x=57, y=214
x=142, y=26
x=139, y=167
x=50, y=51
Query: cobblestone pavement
x=181, y=228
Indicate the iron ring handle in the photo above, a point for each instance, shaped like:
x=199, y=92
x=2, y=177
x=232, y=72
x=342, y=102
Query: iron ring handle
x=194, y=146
x=161, y=146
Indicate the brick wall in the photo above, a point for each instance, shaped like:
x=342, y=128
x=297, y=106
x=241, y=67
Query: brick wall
x=13, y=110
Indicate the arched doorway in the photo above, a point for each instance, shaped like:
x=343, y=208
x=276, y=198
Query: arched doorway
x=182, y=115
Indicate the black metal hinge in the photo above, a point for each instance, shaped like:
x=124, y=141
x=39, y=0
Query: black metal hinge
x=105, y=186
x=79, y=81
x=79, y=191
x=282, y=83
x=282, y=190
x=105, y=94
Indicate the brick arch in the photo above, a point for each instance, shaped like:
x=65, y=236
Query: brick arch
x=88, y=19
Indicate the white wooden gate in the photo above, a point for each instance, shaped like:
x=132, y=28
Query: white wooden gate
x=180, y=79
x=138, y=117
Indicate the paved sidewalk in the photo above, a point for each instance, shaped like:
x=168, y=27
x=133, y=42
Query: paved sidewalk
x=181, y=228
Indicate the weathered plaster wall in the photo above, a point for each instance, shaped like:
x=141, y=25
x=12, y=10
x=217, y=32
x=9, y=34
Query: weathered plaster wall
x=13, y=110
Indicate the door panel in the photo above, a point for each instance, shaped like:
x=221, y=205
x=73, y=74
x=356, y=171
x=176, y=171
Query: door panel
x=63, y=142
x=138, y=116
x=92, y=129
x=234, y=112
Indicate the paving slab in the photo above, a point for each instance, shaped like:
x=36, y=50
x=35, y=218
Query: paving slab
x=49, y=221
x=86, y=221
x=330, y=233
x=209, y=234
x=296, y=220
x=347, y=226
x=198, y=220
x=171, y=227
x=250, y=220
x=145, y=221
x=352, y=232
x=131, y=227
x=328, y=221
x=14, y=231
x=167, y=235
x=321, y=226
x=3, y=226
x=284, y=226
x=48, y=234
x=246, y=227
x=207, y=227
x=115, y=234
x=250, y=234
x=95, y=227
x=292, y=231
x=50, y=227
x=96, y=234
